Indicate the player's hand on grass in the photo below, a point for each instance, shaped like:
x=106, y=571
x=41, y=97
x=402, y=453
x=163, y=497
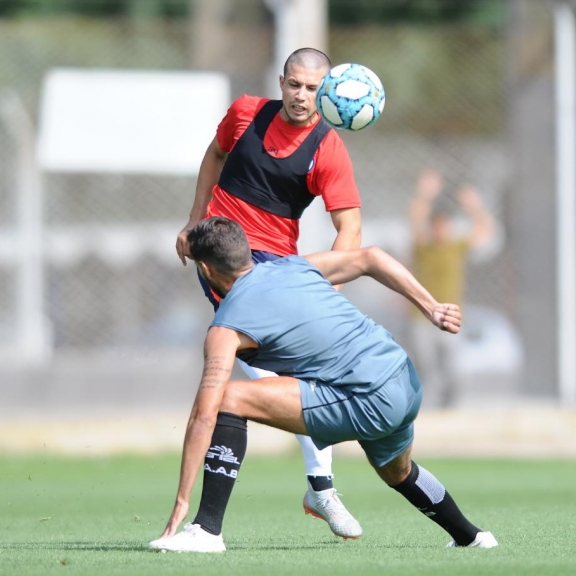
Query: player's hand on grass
x=179, y=512
x=182, y=245
x=447, y=317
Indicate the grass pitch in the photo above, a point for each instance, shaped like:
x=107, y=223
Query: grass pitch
x=95, y=517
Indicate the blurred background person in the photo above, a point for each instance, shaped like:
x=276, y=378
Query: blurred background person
x=439, y=260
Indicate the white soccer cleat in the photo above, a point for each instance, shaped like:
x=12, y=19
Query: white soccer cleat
x=326, y=505
x=482, y=540
x=193, y=538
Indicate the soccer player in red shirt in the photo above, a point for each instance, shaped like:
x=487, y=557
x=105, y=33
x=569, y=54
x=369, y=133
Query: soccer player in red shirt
x=267, y=163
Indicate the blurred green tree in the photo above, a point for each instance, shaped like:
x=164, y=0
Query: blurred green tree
x=340, y=11
x=487, y=12
x=95, y=8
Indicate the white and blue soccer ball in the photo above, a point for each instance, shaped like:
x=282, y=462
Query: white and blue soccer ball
x=350, y=97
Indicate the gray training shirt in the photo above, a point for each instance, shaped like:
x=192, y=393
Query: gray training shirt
x=306, y=329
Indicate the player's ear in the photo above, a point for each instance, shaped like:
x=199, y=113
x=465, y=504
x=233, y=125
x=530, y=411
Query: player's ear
x=281, y=81
x=204, y=268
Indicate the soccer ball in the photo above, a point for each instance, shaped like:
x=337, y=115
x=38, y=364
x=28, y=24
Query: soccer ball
x=350, y=97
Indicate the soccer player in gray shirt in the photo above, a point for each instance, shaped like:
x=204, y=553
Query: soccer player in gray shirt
x=341, y=377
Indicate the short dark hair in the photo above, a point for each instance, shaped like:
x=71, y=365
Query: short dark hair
x=222, y=243
x=307, y=58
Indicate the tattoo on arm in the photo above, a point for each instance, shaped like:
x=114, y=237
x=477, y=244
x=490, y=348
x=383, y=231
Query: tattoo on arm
x=215, y=373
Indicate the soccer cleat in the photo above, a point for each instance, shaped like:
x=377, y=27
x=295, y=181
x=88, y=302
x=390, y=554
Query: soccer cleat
x=482, y=540
x=193, y=538
x=326, y=505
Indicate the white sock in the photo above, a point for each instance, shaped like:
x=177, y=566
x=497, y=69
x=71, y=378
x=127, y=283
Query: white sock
x=316, y=462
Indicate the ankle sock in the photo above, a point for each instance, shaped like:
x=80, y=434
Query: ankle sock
x=319, y=483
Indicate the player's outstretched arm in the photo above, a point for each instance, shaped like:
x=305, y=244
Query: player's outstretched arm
x=339, y=267
x=220, y=349
x=208, y=176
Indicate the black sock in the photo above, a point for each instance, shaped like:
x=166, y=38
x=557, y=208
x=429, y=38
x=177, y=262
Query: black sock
x=424, y=491
x=221, y=465
x=320, y=482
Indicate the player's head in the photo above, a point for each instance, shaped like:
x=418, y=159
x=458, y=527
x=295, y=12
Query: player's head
x=221, y=244
x=303, y=73
x=308, y=58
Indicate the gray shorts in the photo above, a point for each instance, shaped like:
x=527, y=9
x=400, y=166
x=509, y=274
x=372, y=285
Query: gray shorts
x=381, y=420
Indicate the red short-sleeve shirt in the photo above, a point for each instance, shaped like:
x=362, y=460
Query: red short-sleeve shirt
x=331, y=176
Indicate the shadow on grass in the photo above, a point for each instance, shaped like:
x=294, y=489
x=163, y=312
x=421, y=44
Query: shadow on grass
x=233, y=546
x=79, y=546
x=139, y=547
x=325, y=545
x=240, y=546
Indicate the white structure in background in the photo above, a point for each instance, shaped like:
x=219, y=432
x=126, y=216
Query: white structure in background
x=99, y=121
x=129, y=122
x=565, y=47
x=300, y=24
x=297, y=24
x=30, y=342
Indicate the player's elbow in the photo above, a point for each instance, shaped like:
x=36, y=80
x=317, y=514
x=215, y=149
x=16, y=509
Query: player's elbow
x=371, y=255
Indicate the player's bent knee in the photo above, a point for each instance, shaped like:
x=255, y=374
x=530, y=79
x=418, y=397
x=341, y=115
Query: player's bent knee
x=393, y=476
x=232, y=399
x=396, y=471
x=240, y=397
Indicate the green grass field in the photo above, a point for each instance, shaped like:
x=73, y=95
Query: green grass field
x=95, y=517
